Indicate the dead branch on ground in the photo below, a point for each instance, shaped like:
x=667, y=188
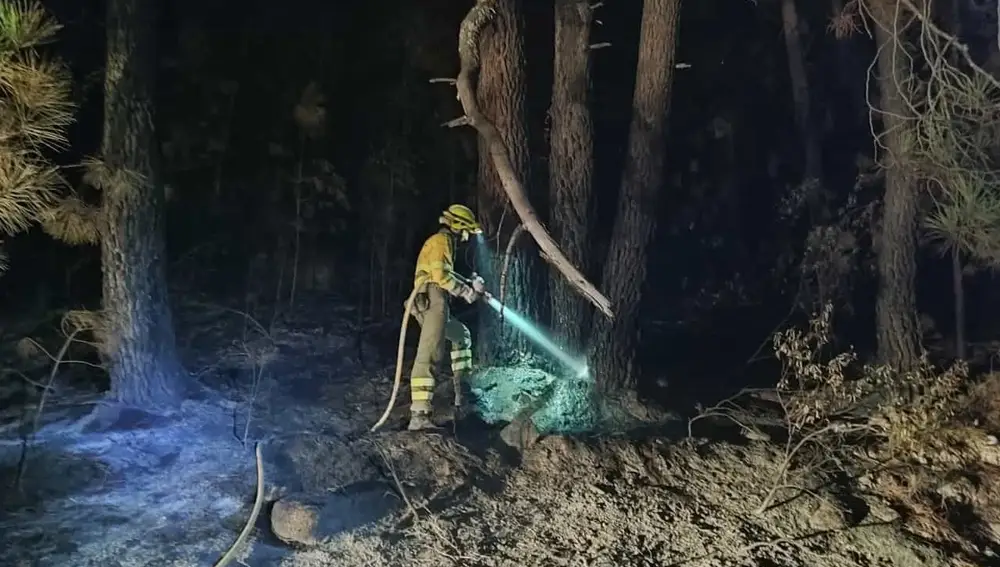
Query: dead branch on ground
x=454, y=554
x=730, y=410
x=22, y=465
x=478, y=17
x=411, y=509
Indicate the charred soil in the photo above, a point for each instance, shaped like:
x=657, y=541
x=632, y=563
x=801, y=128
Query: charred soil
x=176, y=490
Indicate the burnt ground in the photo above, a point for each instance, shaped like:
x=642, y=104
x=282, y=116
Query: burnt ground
x=175, y=491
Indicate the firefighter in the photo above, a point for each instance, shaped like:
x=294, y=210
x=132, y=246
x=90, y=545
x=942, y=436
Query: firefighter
x=435, y=277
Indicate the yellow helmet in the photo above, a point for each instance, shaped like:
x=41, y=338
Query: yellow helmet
x=460, y=218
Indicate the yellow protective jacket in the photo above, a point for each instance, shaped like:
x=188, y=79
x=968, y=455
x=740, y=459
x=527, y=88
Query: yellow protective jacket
x=436, y=263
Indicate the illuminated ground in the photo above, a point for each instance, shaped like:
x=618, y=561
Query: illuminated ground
x=176, y=492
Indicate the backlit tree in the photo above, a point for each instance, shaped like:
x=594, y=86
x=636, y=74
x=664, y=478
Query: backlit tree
x=613, y=342
x=141, y=350
x=571, y=162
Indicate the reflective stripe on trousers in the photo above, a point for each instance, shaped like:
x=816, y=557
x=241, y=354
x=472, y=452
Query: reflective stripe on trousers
x=461, y=358
x=432, y=313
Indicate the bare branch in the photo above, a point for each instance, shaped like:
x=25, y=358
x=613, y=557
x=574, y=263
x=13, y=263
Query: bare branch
x=456, y=122
x=506, y=265
x=950, y=41
x=601, y=45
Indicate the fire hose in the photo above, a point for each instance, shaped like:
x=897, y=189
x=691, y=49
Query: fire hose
x=401, y=347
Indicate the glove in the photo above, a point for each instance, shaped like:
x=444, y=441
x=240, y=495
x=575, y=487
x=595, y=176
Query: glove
x=478, y=284
x=467, y=293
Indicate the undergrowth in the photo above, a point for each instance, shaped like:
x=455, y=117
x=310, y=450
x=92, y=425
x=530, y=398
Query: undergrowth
x=924, y=440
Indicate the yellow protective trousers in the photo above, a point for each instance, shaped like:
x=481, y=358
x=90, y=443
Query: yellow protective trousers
x=430, y=309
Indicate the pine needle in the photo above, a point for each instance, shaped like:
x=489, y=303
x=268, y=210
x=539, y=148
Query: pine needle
x=111, y=181
x=36, y=109
x=73, y=222
x=25, y=25
x=28, y=187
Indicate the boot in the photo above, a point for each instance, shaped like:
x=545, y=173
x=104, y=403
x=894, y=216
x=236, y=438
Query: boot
x=421, y=421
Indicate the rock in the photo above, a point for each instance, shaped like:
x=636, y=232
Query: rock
x=882, y=511
x=826, y=517
x=295, y=520
x=520, y=434
x=306, y=520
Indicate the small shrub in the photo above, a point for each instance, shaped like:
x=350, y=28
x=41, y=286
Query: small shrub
x=925, y=438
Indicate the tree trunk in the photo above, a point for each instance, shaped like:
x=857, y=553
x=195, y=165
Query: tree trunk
x=896, y=246
x=813, y=173
x=501, y=96
x=571, y=163
x=479, y=17
x=959, y=290
x=141, y=357
x=613, y=343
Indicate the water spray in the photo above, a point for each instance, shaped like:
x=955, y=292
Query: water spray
x=534, y=333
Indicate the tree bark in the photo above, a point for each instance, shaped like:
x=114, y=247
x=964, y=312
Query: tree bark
x=613, y=343
x=501, y=97
x=571, y=163
x=896, y=246
x=959, y=291
x=475, y=22
x=813, y=149
x=142, y=359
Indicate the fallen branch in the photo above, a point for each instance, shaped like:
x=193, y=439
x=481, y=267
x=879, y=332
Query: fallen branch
x=428, y=523
x=410, y=508
x=258, y=503
x=478, y=17
x=22, y=465
x=792, y=451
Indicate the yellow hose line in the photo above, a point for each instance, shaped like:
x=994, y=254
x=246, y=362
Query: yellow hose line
x=399, y=360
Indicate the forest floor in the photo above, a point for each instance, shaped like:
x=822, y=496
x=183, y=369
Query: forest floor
x=155, y=491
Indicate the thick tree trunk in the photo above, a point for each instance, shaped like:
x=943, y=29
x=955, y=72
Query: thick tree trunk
x=812, y=146
x=142, y=357
x=571, y=163
x=501, y=95
x=896, y=246
x=613, y=343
